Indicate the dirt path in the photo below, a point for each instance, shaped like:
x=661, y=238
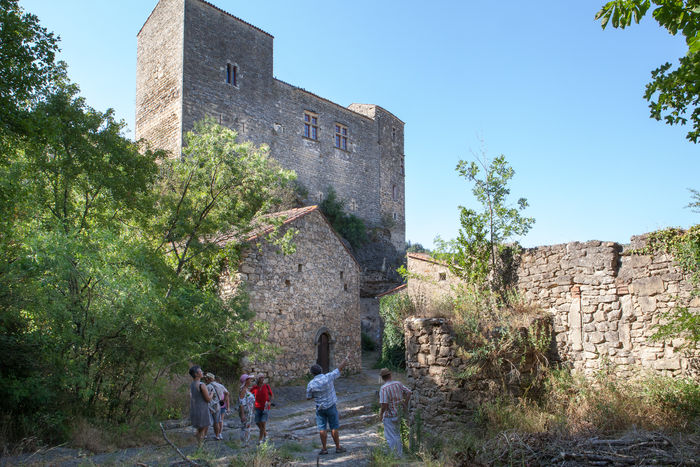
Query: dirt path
x=291, y=430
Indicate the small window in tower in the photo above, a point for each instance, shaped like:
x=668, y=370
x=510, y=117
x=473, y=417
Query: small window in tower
x=341, y=274
x=393, y=134
x=310, y=125
x=299, y=268
x=443, y=276
x=345, y=287
x=341, y=136
x=287, y=283
x=396, y=217
x=395, y=192
x=232, y=74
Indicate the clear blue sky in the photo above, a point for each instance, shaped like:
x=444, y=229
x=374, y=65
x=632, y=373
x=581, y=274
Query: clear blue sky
x=538, y=81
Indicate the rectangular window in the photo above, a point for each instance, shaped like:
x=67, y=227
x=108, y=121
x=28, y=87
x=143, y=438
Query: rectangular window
x=232, y=74
x=310, y=125
x=341, y=136
x=395, y=192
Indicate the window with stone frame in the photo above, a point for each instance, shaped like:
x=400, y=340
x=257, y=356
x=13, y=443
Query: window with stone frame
x=341, y=136
x=310, y=125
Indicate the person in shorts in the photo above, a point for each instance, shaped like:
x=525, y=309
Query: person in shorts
x=263, y=401
x=322, y=390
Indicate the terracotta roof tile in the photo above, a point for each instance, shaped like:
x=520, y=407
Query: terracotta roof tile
x=392, y=291
x=425, y=257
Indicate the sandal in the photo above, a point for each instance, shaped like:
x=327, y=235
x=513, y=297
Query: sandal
x=340, y=449
x=323, y=452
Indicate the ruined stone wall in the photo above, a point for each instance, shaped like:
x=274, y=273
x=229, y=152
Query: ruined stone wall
x=314, y=290
x=444, y=400
x=604, y=302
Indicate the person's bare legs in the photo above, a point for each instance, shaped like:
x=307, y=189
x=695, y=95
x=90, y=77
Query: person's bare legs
x=336, y=438
x=263, y=432
x=324, y=438
x=201, y=434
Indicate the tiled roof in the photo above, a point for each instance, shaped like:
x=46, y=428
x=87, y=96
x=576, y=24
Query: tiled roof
x=266, y=226
x=425, y=257
x=392, y=291
x=289, y=216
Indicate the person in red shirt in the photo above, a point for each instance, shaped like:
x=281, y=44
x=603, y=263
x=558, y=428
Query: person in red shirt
x=263, y=400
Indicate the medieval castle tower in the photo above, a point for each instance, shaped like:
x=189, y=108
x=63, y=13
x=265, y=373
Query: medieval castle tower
x=195, y=60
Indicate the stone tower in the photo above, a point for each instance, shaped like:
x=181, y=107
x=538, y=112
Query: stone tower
x=195, y=60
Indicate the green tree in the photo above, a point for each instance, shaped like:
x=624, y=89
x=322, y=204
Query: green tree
x=211, y=196
x=482, y=234
x=27, y=66
x=673, y=94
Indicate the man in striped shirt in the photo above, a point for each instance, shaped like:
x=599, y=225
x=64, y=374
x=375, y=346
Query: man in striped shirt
x=391, y=394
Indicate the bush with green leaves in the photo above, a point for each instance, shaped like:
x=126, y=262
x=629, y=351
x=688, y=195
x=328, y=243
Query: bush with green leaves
x=349, y=226
x=394, y=309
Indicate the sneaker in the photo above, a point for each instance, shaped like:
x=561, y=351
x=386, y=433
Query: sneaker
x=340, y=449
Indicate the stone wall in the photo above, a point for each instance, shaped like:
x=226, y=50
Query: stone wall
x=302, y=295
x=433, y=366
x=604, y=302
x=368, y=176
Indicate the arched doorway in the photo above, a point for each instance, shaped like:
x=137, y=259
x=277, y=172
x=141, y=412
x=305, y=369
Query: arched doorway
x=324, y=352
x=324, y=342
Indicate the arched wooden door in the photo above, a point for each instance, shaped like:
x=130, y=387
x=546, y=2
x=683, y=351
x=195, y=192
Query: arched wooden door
x=324, y=352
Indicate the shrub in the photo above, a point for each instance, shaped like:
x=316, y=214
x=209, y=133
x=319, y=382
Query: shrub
x=349, y=226
x=394, y=309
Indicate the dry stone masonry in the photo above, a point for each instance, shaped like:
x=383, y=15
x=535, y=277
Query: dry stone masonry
x=604, y=300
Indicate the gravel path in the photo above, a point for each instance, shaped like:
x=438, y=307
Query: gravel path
x=291, y=429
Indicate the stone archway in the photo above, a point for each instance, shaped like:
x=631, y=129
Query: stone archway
x=325, y=343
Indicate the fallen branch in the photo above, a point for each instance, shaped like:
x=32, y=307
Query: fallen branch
x=187, y=459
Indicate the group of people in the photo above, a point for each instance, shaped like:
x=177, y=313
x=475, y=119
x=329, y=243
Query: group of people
x=209, y=402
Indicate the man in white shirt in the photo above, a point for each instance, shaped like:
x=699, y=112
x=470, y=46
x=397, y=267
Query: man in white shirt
x=321, y=389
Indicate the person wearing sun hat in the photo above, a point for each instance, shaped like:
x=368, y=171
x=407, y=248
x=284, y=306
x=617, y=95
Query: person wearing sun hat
x=246, y=404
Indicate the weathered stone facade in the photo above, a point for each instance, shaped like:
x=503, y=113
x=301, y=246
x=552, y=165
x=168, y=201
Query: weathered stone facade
x=302, y=296
x=431, y=281
x=188, y=54
x=604, y=302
